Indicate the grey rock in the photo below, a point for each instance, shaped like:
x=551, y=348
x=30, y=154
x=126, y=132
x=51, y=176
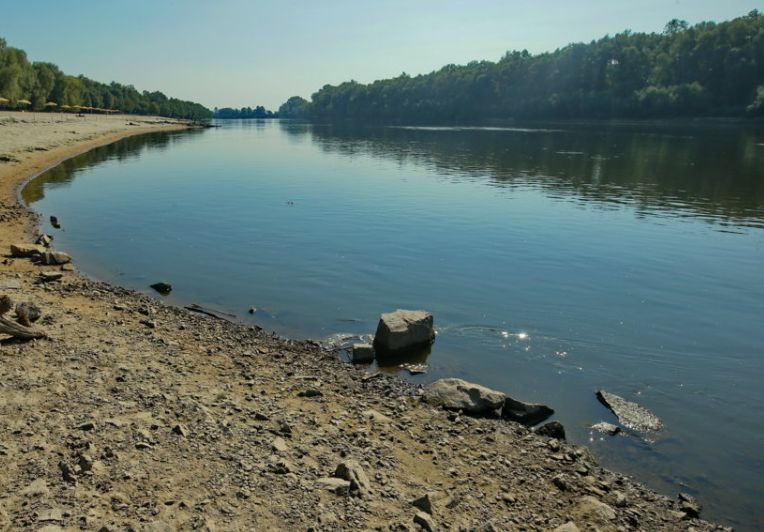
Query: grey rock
x=55, y=258
x=590, y=509
x=457, y=394
x=606, y=428
x=310, y=392
x=26, y=250
x=689, y=505
x=528, y=414
x=425, y=521
x=335, y=485
x=362, y=353
x=47, y=277
x=180, y=430
x=279, y=445
x=352, y=471
x=630, y=414
x=44, y=240
x=162, y=287
x=553, y=429
x=403, y=330
x=67, y=472
x=30, y=310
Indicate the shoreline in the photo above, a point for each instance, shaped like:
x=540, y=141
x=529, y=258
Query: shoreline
x=136, y=413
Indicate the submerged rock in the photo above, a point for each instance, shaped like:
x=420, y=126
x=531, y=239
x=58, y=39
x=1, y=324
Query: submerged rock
x=54, y=222
x=606, y=428
x=456, y=394
x=528, y=414
x=403, y=330
x=630, y=414
x=162, y=287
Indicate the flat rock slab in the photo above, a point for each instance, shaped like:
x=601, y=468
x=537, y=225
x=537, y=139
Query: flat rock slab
x=456, y=394
x=631, y=415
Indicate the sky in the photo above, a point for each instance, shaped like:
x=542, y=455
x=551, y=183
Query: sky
x=236, y=53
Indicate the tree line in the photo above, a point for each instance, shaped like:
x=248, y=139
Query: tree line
x=41, y=83
x=244, y=112
x=710, y=69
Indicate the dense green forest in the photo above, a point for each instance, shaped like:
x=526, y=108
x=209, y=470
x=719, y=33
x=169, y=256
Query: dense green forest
x=245, y=112
x=40, y=83
x=710, y=69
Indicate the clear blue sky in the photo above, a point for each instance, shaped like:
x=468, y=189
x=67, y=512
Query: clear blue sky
x=249, y=52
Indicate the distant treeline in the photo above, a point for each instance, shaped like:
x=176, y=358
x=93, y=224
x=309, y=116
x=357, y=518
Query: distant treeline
x=705, y=70
x=41, y=83
x=244, y=112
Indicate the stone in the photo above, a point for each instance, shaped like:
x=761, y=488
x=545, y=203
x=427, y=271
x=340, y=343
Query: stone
x=180, y=430
x=310, y=392
x=26, y=250
x=403, y=330
x=67, y=473
x=606, y=428
x=55, y=258
x=44, y=240
x=52, y=514
x=632, y=415
x=54, y=222
x=162, y=287
x=47, y=277
x=457, y=394
x=282, y=466
x=570, y=526
x=351, y=471
x=335, y=485
x=424, y=503
x=29, y=310
x=689, y=505
x=362, y=353
x=425, y=521
x=590, y=509
x=527, y=414
x=279, y=445
x=553, y=429
x=88, y=425
x=38, y=488
x=85, y=462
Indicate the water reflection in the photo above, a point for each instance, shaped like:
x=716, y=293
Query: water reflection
x=124, y=150
x=709, y=171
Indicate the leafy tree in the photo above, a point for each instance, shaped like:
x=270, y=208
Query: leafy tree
x=706, y=69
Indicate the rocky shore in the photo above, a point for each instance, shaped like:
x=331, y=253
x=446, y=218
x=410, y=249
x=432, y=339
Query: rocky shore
x=134, y=415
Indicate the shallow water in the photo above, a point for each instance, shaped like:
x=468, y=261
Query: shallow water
x=556, y=260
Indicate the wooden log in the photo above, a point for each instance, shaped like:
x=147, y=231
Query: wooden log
x=19, y=331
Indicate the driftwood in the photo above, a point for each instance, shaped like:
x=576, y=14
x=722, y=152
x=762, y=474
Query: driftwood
x=18, y=331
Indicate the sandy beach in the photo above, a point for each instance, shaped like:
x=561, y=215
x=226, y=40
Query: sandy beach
x=134, y=415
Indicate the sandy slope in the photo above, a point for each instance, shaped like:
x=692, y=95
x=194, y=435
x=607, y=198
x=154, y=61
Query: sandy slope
x=139, y=416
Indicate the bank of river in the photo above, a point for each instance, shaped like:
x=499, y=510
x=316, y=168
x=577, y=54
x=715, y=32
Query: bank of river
x=136, y=370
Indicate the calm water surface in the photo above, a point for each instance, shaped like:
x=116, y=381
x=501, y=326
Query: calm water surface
x=556, y=260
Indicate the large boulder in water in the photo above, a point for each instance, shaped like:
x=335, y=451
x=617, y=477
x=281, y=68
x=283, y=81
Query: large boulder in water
x=403, y=330
x=456, y=394
x=631, y=415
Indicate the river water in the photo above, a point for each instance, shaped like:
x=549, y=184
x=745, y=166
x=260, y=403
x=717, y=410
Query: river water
x=557, y=260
